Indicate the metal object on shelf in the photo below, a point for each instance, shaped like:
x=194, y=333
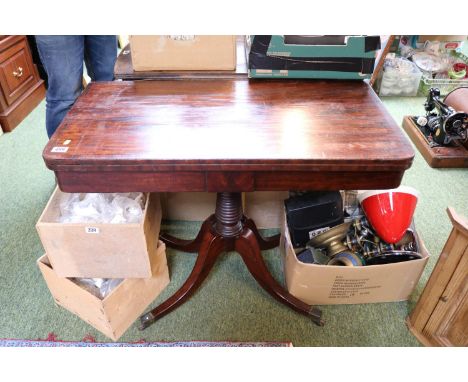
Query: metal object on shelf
x=331, y=240
x=347, y=258
x=380, y=252
x=408, y=242
x=354, y=243
x=360, y=234
x=393, y=257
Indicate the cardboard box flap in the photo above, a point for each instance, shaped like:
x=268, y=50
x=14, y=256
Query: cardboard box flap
x=51, y=213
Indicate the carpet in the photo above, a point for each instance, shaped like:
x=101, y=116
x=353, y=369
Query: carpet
x=89, y=341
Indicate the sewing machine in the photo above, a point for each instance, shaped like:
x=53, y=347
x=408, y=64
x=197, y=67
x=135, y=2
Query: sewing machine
x=441, y=135
x=442, y=125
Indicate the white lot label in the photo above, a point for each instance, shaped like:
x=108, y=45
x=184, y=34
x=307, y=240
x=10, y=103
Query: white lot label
x=182, y=37
x=318, y=231
x=59, y=149
x=92, y=230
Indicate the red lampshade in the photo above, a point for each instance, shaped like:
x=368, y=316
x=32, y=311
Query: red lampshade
x=389, y=211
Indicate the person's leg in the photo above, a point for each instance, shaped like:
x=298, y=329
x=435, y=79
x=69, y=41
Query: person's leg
x=62, y=57
x=100, y=55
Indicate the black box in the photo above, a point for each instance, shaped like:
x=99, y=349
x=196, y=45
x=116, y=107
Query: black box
x=301, y=56
x=311, y=213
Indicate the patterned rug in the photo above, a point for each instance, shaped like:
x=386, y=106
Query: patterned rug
x=89, y=341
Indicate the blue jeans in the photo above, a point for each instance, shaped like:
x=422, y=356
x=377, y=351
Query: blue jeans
x=62, y=57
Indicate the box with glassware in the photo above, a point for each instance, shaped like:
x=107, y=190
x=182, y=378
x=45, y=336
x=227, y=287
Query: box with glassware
x=101, y=235
x=183, y=52
x=352, y=247
x=301, y=56
x=109, y=305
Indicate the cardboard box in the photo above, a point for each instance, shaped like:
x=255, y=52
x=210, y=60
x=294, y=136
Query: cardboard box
x=447, y=43
x=189, y=206
x=266, y=208
x=100, y=250
x=114, y=314
x=183, y=52
x=300, y=56
x=424, y=38
x=327, y=284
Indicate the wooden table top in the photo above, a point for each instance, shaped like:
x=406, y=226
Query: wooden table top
x=123, y=69
x=237, y=126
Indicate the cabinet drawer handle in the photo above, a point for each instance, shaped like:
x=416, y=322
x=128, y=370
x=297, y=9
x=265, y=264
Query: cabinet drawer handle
x=18, y=72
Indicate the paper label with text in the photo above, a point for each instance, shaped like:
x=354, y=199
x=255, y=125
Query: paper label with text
x=344, y=288
x=59, y=149
x=317, y=231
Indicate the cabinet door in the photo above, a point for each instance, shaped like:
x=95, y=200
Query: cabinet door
x=456, y=332
x=449, y=320
x=16, y=71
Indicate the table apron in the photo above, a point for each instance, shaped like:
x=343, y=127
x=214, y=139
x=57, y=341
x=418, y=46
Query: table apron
x=212, y=181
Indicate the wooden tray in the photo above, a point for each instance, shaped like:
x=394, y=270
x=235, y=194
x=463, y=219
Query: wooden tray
x=436, y=157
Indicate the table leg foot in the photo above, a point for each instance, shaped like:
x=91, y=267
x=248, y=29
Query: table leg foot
x=210, y=248
x=264, y=243
x=191, y=246
x=248, y=247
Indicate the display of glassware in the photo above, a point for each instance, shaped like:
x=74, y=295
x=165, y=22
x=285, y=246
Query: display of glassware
x=100, y=288
x=102, y=208
x=400, y=77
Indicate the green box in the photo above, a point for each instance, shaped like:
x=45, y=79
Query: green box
x=323, y=57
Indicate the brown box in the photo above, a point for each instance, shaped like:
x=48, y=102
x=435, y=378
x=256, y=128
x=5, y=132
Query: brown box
x=266, y=208
x=190, y=53
x=100, y=250
x=114, y=314
x=327, y=284
x=424, y=38
x=190, y=206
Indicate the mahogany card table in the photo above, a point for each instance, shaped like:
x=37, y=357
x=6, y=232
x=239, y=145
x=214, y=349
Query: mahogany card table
x=229, y=137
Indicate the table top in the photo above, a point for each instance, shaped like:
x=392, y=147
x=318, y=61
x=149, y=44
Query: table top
x=270, y=127
x=123, y=69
